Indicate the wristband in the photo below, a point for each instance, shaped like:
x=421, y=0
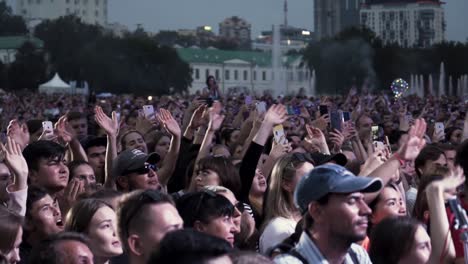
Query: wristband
x=398, y=157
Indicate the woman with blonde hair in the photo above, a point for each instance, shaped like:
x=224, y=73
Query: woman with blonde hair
x=281, y=215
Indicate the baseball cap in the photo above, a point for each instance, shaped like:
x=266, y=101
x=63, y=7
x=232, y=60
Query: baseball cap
x=132, y=159
x=331, y=178
x=320, y=158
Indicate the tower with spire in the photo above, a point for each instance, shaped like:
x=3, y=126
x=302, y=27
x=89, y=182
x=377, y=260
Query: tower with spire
x=285, y=10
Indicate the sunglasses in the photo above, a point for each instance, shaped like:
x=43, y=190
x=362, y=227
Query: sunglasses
x=143, y=170
x=146, y=197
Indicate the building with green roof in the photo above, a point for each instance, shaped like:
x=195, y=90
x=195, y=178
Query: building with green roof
x=243, y=70
x=10, y=45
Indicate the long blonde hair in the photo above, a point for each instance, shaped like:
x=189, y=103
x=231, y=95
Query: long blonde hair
x=278, y=201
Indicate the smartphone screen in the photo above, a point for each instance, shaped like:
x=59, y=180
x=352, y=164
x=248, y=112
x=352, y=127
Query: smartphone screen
x=261, y=107
x=47, y=125
x=148, y=111
x=346, y=116
x=375, y=133
x=336, y=119
x=278, y=134
x=323, y=110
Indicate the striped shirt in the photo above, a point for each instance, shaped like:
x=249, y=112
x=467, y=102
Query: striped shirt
x=309, y=251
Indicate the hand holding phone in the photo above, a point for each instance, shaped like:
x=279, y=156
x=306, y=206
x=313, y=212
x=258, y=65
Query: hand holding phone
x=148, y=111
x=48, y=126
x=279, y=135
x=261, y=107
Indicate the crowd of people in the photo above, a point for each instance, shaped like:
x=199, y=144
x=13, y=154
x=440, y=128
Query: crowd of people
x=233, y=178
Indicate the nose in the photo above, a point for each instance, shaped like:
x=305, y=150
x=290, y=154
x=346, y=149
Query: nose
x=16, y=256
x=151, y=173
x=364, y=209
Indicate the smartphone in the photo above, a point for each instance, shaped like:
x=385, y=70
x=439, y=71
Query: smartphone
x=261, y=107
x=439, y=127
x=375, y=133
x=279, y=135
x=148, y=111
x=208, y=101
x=336, y=119
x=378, y=145
x=248, y=100
x=346, y=116
x=290, y=110
x=117, y=115
x=47, y=125
x=323, y=110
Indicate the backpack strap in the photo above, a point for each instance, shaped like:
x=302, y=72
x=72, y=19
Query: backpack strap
x=293, y=252
x=353, y=256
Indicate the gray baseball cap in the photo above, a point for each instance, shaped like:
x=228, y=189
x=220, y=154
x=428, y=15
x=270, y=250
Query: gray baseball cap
x=331, y=178
x=132, y=159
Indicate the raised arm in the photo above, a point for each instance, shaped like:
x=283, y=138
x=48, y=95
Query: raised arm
x=216, y=120
x=111, y=127
x=443, y=250
x=169, y=162
x=17, y=164
x=67, y=137
x=407, y=152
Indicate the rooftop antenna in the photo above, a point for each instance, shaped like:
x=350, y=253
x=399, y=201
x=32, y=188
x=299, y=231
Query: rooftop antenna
x=285, y=9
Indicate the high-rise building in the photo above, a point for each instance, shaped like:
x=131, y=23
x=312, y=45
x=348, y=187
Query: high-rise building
x=409, y=23
x=333, y=16
x=90, y=11
x=235, y=28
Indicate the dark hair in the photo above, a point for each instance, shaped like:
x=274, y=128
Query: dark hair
x=446, y=146
x=124, y=135
x=227, y=173
x=392, y=239
x=460, y=158
x=428, y=153
x=152, y=139
x=308, y=220
x=188, y=246
x=449, y=131
x=105, y=194
x=75, y=115
x=47, y=251
x=93, y=141
x=203, y=206
x=10, y=224
x=34, y=125
x=42, y=149
x=372, y=205
x=208, y=80
x=81, y=213
x=246, y=257
x=72, y=166
x=226, y=135
x=35, y=193
x=132, y=211
x=420, y=204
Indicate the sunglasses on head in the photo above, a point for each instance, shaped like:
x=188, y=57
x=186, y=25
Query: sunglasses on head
x=143, y=170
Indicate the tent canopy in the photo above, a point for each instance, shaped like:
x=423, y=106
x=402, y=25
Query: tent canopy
x=55, y=85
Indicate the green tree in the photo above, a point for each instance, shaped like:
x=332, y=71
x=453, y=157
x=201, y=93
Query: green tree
x=28, y=69
x=11, y=25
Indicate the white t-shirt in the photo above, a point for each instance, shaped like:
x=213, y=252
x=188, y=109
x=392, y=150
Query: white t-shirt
x=277, y=230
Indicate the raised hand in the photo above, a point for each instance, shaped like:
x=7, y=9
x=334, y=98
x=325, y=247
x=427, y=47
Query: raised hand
x=337, y=139
x=18, y=132
x=277, y=114
x=321, y=122
x=143, y=125
x=315, y=139
x=197, y=118
x=110, y=125
x=170, y=124
x=279, y=150
x=63, y=130
x=415, y=141
x=70, y=194
x=48, y=135
x=449, y=183
x=15, y=161
x=216, y=120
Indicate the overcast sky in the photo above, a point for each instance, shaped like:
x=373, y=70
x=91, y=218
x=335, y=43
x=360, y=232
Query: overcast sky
x=155, y=15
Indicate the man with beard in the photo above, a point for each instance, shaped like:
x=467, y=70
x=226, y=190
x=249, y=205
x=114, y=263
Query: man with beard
x=335, y=215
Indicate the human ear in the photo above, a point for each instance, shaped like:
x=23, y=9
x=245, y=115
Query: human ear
x=122, y=181
x=199, y=226
x=135, y=245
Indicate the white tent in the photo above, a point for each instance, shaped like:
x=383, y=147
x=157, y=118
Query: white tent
x=56, y=85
